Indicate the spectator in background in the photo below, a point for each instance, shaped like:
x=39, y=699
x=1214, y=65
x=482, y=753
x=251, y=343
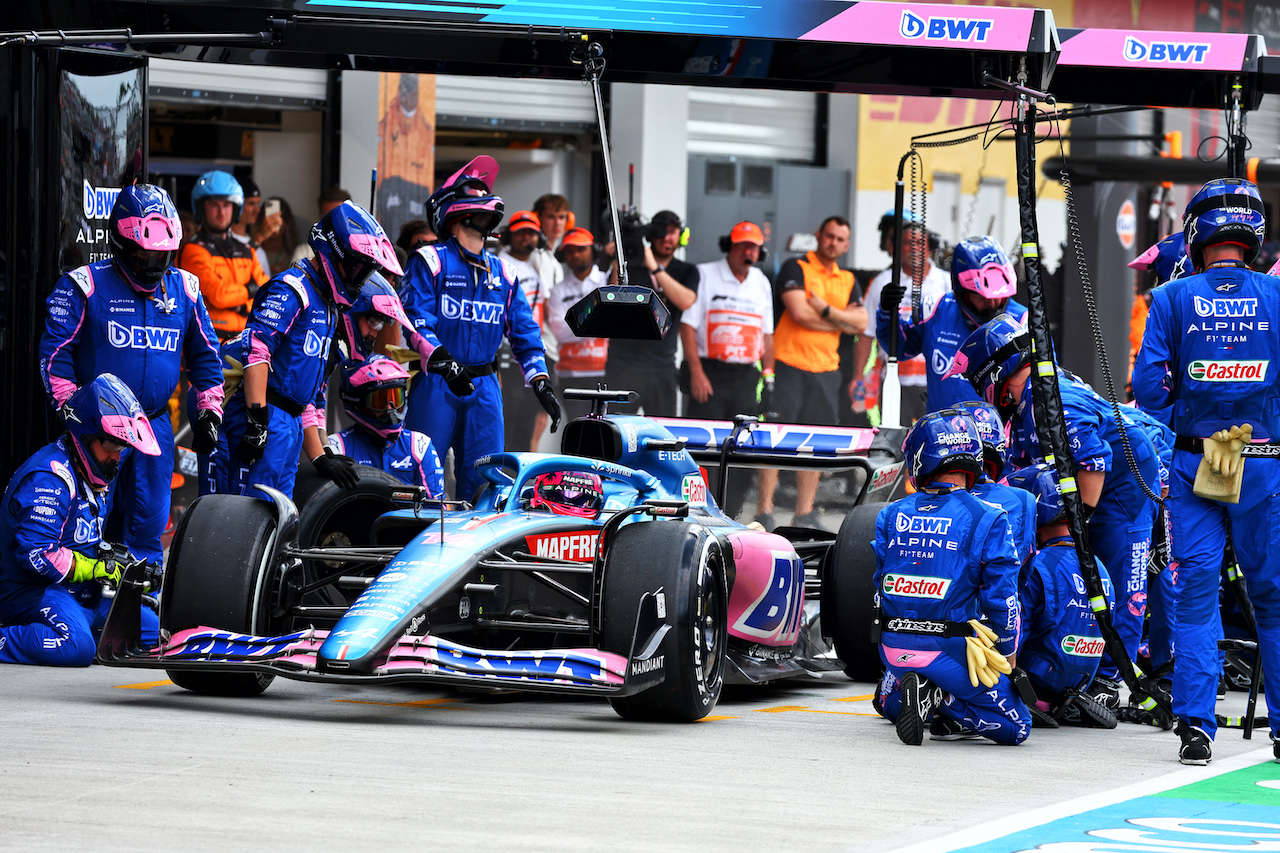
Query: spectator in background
x=582, y=360
x=281, y=246
x=414, y=233
x=329, y=199
x=228, y=270
x=816, y=295
x=649, y=367
x=252, y=228
x=552, y=210
x=933, y=284
x=726, y=332
x=524, y=417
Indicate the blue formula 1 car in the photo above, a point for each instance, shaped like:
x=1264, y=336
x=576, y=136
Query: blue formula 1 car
x=654, y=601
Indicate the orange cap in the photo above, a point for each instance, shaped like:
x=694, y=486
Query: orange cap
x=577, y=237
x=523, y=219
x=746, y=232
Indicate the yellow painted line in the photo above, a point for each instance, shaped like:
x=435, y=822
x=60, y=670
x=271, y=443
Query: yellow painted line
x=416, y=704
x=709, y=719
x=145, y=685
x=855, y=698
x=782, y=709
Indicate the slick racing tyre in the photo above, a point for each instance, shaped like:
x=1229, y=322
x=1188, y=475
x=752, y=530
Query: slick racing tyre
x=331, y=515
x=686, y=562
x=848, y=594
x=219, y=576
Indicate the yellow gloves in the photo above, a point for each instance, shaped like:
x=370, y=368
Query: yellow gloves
x=404, y=355
x=88, y=569
x=1221, y=471
x=985, y=663
x=232, y=375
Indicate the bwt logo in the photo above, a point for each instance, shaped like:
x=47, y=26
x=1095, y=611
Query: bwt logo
x=142, y=337
x=1231, y=308
x=944, y=29
x=98, y=201
x=475, y=312
x=922, y=524
x=1165, y=51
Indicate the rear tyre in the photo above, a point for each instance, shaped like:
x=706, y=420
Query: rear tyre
x=687, y=563
x=219, y=576
x=848, y=594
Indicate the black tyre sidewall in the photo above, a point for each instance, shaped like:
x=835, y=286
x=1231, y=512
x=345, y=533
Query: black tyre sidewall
x=848, y=594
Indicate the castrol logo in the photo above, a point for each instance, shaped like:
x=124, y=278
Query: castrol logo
x=1084, y=647
x=1228, y=371
x=916, y=586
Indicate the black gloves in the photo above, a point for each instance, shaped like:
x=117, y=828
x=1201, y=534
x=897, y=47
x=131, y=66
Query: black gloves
x=253, y=444
x=766, y=400
x=340, y=469
x=547, y=397
x=455, y=375
x=204, y=432
x=891, y=295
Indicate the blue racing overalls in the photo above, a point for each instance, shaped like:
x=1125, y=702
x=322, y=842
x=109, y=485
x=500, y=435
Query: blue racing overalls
x=1207, y=351
x=409, y=457
x=938, y=337
x=949, y=556
x=98, y=323
x=290, y=328
x=49, y=512
x=467, y=304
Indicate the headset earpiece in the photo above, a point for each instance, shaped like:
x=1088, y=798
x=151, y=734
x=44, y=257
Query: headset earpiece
x=559, y=255
x=724, y=244
x=572, y=222
x=764, y=255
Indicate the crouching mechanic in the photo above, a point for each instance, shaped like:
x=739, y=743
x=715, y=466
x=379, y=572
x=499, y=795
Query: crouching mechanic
x=462, y=300
x=1204, y=354
x=990, y=485
x=137, y=317
x=943, y=558
x=51, y=599
x=1063, y=645
x=997, y=360
x=279, y=408
x=375, y=393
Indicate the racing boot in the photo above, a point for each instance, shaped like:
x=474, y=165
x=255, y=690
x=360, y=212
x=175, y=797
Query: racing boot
x=1105, y=690
x=1275, y=747
x=943, y=727
x=1041, y=718
x=919, y=699
x=1081, y=709
x=1196, y=747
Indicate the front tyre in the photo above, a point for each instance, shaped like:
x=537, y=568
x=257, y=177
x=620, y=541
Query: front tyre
x=220, y=576
x=848, y=594
x=687, y=563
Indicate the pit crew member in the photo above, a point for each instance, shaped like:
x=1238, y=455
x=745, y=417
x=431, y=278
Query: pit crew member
x=137, y=317
x=1062, y=646
x=982, y=285
x=997, y=360
x=279, y=409
x=990, y=485
x=524, y=421
x=51, y=523
x=944, y=558
x=1208, y=345
x=462, y=301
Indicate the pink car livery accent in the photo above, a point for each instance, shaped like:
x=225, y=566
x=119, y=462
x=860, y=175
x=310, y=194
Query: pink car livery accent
x=926, y=25
x=767, y=599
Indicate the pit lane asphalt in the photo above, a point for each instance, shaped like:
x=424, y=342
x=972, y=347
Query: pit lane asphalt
x=87, y=762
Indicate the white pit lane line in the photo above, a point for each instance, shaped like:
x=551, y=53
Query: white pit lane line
x=998, y=829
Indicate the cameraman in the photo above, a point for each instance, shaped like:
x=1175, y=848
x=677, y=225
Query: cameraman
x=649, y=367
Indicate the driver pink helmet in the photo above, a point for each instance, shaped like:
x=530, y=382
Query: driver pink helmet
x=574, y=493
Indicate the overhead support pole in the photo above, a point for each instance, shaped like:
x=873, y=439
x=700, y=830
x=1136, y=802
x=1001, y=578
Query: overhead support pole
x=1237, y=142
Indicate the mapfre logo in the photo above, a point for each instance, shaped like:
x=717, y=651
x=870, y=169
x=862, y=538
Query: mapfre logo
x=142, y=337
x=1228, y=371
x=946, y=29
x=916, y=586
x=1226, y=308
x=1084, y=647
x=578, y=547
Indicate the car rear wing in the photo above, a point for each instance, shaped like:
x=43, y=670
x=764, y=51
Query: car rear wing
x=747, y=443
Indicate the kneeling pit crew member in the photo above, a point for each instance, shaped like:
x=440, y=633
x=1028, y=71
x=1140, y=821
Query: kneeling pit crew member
x=944, y=558
x=51, y=578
